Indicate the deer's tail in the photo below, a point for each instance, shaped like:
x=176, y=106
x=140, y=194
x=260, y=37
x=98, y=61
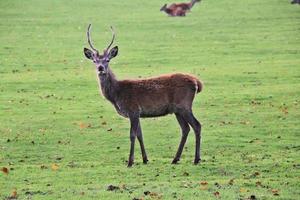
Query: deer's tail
x=199, y=85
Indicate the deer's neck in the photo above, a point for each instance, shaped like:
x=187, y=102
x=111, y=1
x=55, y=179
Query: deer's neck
x=168, y=11
x=109, y=86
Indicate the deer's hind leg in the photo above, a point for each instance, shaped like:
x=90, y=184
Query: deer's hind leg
x=195, y=124
x=185, y=129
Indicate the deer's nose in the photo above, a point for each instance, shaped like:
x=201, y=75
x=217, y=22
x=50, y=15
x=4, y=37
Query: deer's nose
x=100, y=68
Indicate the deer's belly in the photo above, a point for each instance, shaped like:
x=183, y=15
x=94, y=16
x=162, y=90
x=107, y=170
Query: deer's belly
x=147, y=111
x=156, y=112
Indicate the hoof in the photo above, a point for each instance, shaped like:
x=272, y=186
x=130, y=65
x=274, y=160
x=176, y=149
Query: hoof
x=197, y=161
x=145, y=161
x=175, y=161
x=130, y=164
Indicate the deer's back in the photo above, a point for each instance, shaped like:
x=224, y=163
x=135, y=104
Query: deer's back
x=183, y=6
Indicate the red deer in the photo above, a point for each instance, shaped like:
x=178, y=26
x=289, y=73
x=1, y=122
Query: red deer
x=295, y=2
x=173, y=12
x=183, y=6
x=152, y=97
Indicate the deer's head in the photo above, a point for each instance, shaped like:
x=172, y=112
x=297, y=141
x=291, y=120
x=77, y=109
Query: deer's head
x=101, y=61
x=163, y=8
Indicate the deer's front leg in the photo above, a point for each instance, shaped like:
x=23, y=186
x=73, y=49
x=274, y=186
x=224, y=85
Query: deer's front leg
x=140, y=138
x=134, y=124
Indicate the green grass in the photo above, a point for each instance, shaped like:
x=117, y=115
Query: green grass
x=246, y=52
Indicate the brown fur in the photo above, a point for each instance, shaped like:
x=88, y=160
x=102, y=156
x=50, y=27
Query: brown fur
x=183, y=6
x=176, y=11
x=155, y=96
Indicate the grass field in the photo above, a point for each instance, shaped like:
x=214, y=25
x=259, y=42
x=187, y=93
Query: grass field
x=60, y=140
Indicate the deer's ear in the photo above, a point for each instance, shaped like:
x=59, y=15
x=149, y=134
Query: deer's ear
x=162, y=8
x=88, y=53
x=113, y=52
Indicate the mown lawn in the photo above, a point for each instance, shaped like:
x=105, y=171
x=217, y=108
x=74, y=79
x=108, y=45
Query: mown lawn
x=60, y=140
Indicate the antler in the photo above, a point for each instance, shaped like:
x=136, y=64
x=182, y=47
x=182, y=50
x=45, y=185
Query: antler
x=112, y=41
x=89, y=38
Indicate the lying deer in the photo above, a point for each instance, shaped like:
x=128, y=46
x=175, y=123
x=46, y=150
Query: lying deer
x=178, y=9
x=173, y=12
x=295, y=2
x=152, y=97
